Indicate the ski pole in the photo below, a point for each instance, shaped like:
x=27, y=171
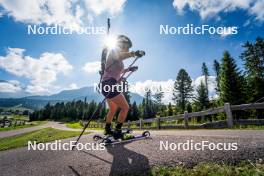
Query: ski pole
x=86, y=125
x=100, y=106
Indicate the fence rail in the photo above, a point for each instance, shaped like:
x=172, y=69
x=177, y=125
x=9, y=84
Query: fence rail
x=227, y=109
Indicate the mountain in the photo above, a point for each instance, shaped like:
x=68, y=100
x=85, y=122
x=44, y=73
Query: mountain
x=37, y=102
x=67, y=95
x=19, y=93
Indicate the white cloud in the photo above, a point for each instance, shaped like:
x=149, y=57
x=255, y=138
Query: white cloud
x=212, y=8
x=73, y=86
x=168, y=85
x=37, y=89
x=44, y=11
x=141, y=88
x=92, y=67
x=41, y=72
x=100, y=6
x=211, y=84
x=257, y=10
x=69, y=13
x=11, y=86
x=246, y=23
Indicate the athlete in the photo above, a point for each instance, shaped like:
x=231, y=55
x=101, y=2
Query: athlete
x=114, y=69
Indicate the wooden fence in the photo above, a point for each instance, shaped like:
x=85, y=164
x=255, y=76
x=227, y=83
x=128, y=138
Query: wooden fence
x=9, y=123
x=227, y=109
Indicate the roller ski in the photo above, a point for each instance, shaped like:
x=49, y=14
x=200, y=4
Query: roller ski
x=118, y=137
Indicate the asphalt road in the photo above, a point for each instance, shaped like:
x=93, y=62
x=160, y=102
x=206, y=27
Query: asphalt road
x=136, y=157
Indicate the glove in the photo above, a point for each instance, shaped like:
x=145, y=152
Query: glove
x=132, y=69
x=139, y=53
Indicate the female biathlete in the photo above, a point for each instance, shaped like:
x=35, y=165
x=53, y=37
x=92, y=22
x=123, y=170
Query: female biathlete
x=114, y=68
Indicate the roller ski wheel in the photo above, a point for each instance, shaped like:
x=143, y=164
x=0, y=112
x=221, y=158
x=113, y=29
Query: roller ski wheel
x=146, y=134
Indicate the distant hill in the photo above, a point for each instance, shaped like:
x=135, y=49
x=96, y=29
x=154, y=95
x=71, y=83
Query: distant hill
x=67, y=95
x=37, y=102
x=15, y=108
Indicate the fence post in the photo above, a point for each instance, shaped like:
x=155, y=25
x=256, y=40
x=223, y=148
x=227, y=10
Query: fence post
x=229, y=117
x=128, y=124
x=186, y=119
x=140, y=123
x=158, y=123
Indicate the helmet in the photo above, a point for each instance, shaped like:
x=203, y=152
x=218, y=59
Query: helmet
x=122, y=39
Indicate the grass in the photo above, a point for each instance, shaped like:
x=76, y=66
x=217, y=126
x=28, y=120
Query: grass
x=211, y=169
x=248, y=127
x=40, y=136
x=77, y=125
x=74, y=125
x=21, y=117
x=32, y=124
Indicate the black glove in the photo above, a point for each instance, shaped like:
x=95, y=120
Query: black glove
x=139, y=53
x=134, y=68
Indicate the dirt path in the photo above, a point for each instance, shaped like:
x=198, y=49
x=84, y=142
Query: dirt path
x=57, y=125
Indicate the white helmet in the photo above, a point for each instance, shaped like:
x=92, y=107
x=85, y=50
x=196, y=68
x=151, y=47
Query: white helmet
x=122, y=39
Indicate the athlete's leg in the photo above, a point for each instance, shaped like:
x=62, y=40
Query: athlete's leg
x=112, y=110
x=121, y=102
x=109, y=117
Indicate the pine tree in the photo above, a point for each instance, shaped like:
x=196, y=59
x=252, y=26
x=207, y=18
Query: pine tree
x=135, y=113
x=158, y=96
x=202, y=97
x=149, y=110
x=91, y=108
x=189, y=107
x=183, y=90
x=47, y=111
x=205, y=73
x=217, y=73
x=253, y=58
x=170, y=110
x=231, y=81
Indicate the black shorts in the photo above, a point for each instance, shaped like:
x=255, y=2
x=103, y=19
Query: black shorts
x=112, y=92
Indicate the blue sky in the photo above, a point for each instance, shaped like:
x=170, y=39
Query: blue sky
x=140, y=20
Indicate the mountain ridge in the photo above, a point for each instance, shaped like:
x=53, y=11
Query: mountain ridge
x=39, y=101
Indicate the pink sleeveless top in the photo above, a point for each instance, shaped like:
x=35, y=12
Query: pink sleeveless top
x=114, y=67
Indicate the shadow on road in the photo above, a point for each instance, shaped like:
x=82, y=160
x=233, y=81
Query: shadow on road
x=126, y=161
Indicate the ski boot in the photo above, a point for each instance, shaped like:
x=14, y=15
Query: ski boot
x=108, y=130
x=119, y=134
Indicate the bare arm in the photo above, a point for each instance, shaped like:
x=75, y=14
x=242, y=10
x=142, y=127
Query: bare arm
x=126, y=55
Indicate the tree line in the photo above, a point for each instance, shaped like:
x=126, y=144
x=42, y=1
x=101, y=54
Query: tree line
x=233, y=85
